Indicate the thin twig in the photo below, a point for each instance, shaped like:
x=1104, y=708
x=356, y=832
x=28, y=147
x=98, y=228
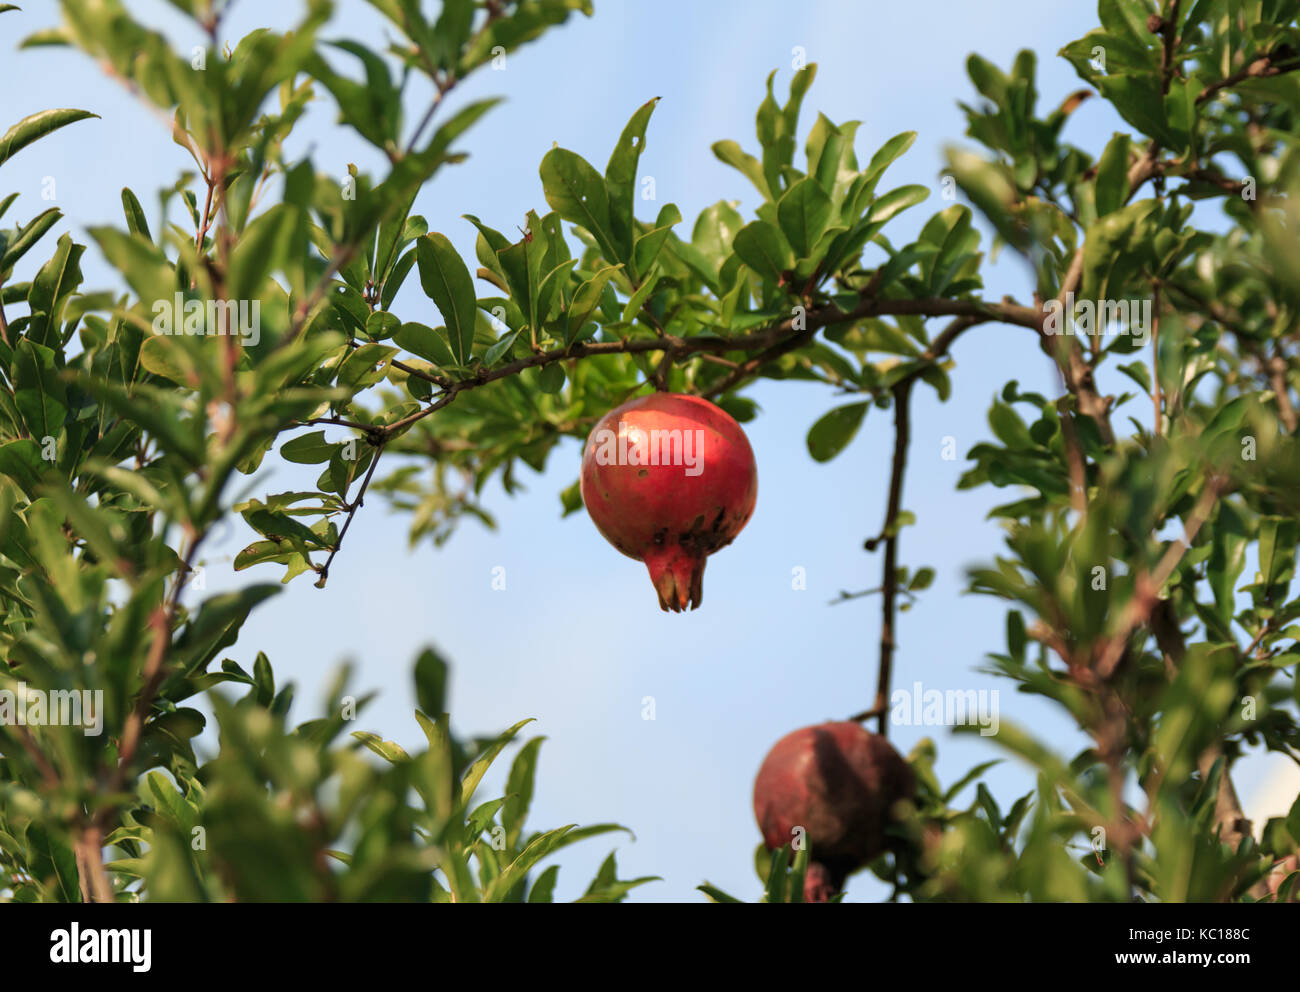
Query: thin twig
x=1258, y=68
x=353, y=507
x=889, y=581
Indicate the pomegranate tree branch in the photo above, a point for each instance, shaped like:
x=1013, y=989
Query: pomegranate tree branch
x=902, y=391
x=95, y=884
x=775, y=340
x=160, y=622
x=443, y=86
x=1258, y=68
x=353, y=507
x=889, y=582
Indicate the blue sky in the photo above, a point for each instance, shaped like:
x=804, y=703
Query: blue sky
x=576, y=639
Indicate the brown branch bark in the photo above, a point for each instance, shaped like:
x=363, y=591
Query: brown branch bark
x=88, y=851
x=889, y=581
x=1258, y=68
x=773, y=341
x=902, y=391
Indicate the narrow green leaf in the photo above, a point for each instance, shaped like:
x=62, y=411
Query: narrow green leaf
x=620, y=180
x=39, y=393
x=895, y=202
x=447, y=282
x=35, y=127
x=135, y=218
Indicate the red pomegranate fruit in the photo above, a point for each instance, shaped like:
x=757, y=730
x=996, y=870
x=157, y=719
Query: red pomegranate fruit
x=840, y=783
x=669, y=480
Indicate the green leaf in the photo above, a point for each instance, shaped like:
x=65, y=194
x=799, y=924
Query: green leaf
x=647, y=247
x=585, y=301
x=54, y=283
x=135, y=218
x=519, y=790
x=39, y=393
x=761, y=247
x=500, y=347
x=607, y=887
x=895, y=202
x=921, y=580
x=281, y=527
x=481, y=818
x=431, y=682
x=35, y=127
x=732, y=154
x=388, y=750
x=829, y=436
x=514, y=873
x=577, y=193
x=381, y=325
x=1227, y=560
x=778, y=877
x=798, y=872
x=550, y=379
x=643, y=293
x=447, y=282
x=424, y=341
x=395, y=278
x=1140, y=101
x=49, y=858
x=27, y=237
x=1112, y=175
x=543, y=890
x=1293, y=821
x=804, y=213
x=620, y=180
x=571, y=498
x=968, y=778
x=715, y=894
x=474, y=774
x=887, y=154
x=169, y=358
x=21, y=461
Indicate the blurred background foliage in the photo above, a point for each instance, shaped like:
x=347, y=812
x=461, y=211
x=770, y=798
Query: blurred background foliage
x=121, y=448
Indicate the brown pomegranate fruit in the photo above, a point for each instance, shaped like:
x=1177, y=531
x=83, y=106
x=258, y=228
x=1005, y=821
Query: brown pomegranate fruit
x=668, y=480
x=840, y=783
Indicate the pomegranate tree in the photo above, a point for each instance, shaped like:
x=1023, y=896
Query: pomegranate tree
x=669, y=480
x=840, y=783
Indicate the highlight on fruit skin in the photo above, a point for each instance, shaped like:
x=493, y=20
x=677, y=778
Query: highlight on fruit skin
x=668, y=480
x=841, y=784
